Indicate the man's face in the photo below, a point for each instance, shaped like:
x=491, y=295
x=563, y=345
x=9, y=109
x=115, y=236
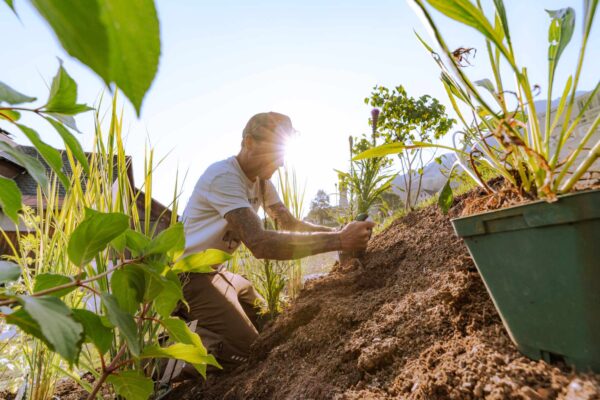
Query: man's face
x=269, y=155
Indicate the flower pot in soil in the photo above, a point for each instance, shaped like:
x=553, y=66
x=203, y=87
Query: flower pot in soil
x=540, y=263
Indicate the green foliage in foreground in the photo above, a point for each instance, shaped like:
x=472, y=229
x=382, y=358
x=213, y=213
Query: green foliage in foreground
x=92, y=283
x=504, y=134
x=405, y=120
x=118, y=40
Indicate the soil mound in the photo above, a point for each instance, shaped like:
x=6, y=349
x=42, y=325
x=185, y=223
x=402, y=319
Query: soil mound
x=411, y=320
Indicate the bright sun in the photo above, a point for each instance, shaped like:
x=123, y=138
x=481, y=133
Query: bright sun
x=297, y=153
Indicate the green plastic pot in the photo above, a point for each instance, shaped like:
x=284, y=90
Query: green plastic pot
x=540, y=263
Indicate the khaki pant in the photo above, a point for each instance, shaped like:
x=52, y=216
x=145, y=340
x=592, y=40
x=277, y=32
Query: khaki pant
x=226, y=307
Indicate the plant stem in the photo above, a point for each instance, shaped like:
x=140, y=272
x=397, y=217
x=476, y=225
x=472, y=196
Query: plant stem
x=105, y=373
x=81, y=283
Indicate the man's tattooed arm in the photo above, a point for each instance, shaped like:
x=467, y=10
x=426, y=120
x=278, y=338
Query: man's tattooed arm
x=279, y=245
x=287, y=222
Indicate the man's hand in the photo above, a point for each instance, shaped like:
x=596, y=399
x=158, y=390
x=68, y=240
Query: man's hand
x=356, y=235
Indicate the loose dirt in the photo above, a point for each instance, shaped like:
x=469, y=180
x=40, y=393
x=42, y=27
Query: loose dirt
x=411, y=320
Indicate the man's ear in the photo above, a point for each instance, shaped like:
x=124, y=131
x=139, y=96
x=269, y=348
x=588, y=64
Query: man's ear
x=248, y=142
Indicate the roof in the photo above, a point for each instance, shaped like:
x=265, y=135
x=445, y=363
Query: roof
x=28, y=185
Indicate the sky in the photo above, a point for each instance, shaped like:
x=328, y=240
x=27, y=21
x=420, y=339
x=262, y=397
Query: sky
x=222, y=62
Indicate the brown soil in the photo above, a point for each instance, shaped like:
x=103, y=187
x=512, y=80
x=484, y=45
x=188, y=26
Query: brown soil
x=412, y=320
x=507, y=196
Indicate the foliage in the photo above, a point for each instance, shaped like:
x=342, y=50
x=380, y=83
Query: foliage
x=505, y=133
x=368, y=179
x=97, y=280
x=118, y=40
x=406, y=120
x=320, y=208
x=292, y=196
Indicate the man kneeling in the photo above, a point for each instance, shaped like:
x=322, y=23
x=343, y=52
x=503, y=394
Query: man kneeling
x=222, y=214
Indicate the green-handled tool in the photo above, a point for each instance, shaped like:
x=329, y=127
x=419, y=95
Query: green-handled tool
x=354, y=254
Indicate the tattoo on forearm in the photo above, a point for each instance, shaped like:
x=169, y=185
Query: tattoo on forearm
x=278, y=245
x=286, y=221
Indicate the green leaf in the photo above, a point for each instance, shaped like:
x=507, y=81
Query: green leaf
x=48, y=153
x=171, y=238
x=10, y=4
x=180, y=332
x=119, y=40
x=63, y=95
x=10, y=115
x=11, y=96
x=446, y=197
x=134, y=43
x=560, y=32
x=201, y=262
x=501, y=12
x=186, y=352
x=127, y=286
x=93, y=235
x=169, y=296
x=72, y=144
x=67, y=120
x=56, y=324
x=48, y=281
x=428, y=47
x=27, y=324
x=9, y=271
x=95, y=331
x=136, y=241
x=395, y=148
x=152, y=279
x=132, y=385
x=80, y=31
x=123, y=321
x=119, y=243
x=33, y=166
x=10, y=199
x=487, y=84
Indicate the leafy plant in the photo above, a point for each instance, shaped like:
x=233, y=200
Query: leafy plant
x=503, y=131
x=367, y=180
x=320, y=208
x=405, y=120
x=118, y=40
x=292, y=195
x=98, y=281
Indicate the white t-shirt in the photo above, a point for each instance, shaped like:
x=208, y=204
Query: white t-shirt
x=223, y=187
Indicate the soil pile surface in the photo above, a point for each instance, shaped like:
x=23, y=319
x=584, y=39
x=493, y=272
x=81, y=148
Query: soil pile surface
x=411, y=320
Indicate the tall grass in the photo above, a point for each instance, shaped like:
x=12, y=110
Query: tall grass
x=42, y=241
x=275, y=281
x=292, y=195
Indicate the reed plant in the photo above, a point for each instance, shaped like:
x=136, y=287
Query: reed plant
x=502, y=129
x=292, y=194
x=97, y=277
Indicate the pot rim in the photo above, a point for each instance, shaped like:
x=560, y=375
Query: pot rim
x=527, y=204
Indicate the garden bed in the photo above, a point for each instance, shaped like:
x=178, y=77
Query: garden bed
x=412, y=320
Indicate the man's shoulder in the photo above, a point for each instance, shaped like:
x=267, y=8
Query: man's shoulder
x=219, y=168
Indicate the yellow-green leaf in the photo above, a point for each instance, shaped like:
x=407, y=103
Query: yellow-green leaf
x=10, y=199
x=52, y=156
x=56, y=324
x=201, y=262
x=9, y=271
x=11, y=96
x=132, y=385
x=93, y=235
